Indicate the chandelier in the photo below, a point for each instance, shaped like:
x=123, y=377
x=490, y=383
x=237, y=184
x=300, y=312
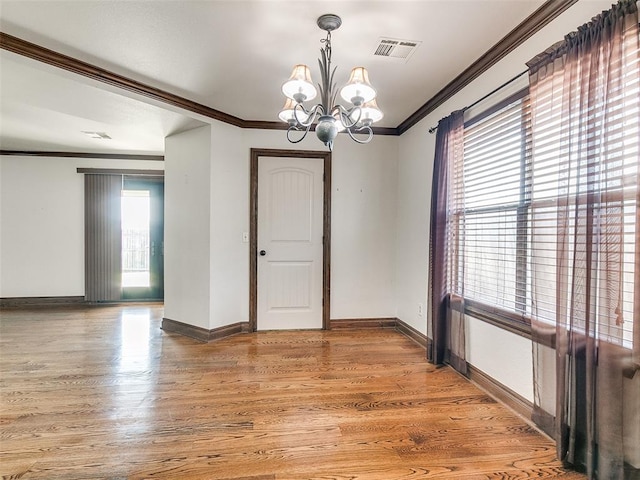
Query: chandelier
x=329, y=117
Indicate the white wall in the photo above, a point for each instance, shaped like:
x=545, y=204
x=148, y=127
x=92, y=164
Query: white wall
x=187, y=220
x=363, y=209
x=363, y=220
x=501, y=354
x=415, y=166
x=230, y=217
x=207, y=210
x=42, y=223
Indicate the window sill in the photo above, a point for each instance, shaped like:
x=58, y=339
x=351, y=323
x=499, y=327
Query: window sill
x=503, y=319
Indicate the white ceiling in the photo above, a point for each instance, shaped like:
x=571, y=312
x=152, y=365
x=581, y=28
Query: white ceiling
x=47, y=110
x=229, y=55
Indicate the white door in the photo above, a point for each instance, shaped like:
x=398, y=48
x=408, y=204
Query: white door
x=290, y=196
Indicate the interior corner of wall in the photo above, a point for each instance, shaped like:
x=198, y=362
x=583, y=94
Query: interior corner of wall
x=631, y=416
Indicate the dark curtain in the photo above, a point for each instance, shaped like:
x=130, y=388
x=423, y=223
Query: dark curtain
x=446, y=311
x=585, y=101
x=103, y=238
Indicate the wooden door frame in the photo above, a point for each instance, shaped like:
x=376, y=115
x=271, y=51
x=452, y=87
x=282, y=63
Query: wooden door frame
x=256, y=153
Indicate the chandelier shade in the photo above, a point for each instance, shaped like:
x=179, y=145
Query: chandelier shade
x=371, y=112
x=287, y=114
x=299, y=87
x=327, y=117
x=358, y=90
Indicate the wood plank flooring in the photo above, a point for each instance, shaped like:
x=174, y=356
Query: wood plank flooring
x=102, y=392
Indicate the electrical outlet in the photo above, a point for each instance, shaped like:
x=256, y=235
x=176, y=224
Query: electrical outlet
x=420, y=310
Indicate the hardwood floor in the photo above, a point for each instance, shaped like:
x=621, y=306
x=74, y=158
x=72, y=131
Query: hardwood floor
x=104, y=393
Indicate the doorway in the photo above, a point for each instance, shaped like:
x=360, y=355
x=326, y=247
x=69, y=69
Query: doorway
x=142, y=254
x=290, y=212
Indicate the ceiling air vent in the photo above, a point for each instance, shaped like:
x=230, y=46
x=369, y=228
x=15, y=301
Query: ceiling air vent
x=396, y=48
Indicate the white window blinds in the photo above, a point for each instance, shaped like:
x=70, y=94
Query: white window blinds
x=584, y=195
x=546, y=209
x=492, y=218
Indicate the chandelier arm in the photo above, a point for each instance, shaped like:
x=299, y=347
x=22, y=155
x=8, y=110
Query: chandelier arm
x=354, y=109
x=311, y=114
x=296, y=108
x=345, y=115
x=294, y=128
x=361, y=130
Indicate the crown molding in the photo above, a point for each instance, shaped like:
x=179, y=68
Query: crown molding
x=65, y=62
x=516, y=37
x=122, y=171
x=266, y=125
x=109, y=156
x=532, y=24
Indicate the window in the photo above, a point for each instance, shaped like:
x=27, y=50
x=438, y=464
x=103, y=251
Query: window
x=509, y=204
x=136, y=214
x=493, y=195
x=585, y=192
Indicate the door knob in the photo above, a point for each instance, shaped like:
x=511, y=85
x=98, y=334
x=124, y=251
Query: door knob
x=262, y=253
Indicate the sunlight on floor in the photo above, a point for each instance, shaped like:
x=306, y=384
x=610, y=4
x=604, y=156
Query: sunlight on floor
x=134, y=347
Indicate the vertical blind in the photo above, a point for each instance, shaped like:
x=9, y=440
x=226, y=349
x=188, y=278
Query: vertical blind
x=102, y=237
